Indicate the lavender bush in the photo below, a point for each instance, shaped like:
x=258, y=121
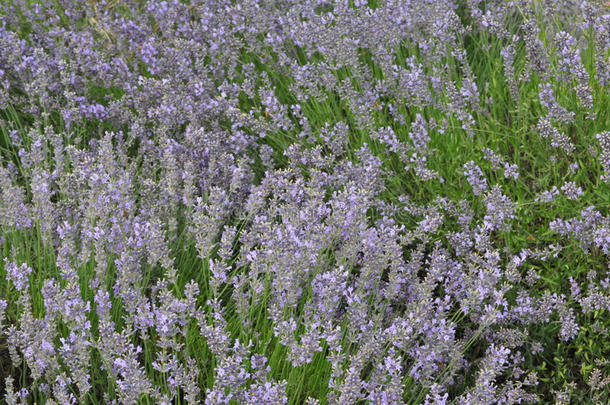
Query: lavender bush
x=304, y=202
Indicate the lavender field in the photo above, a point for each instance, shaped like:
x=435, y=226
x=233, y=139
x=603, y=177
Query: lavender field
x=304, y=202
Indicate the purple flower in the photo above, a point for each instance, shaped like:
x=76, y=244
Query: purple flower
x=475, y=178
x=18, y=275
x=571, y=190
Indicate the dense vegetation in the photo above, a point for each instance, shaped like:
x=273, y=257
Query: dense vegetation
x=298, y=201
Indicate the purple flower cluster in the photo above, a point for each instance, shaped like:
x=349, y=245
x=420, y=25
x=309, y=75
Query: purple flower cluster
x=475, y=178
x=206, y=200
x=604, y=156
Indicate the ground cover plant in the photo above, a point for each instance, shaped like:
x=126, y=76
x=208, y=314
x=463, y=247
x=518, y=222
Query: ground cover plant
x=296, y=201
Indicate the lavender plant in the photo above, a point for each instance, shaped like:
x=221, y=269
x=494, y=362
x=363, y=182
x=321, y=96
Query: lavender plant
x=337, y=202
